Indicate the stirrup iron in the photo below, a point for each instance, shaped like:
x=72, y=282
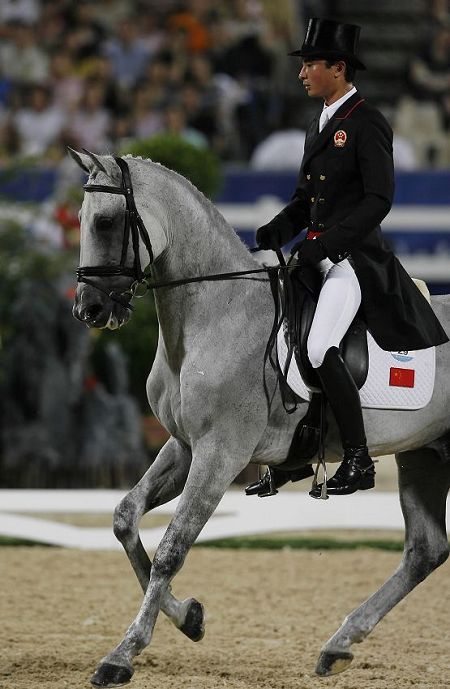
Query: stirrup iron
x=272, y=490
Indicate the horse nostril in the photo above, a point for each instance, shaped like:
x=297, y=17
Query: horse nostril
x=91, y=312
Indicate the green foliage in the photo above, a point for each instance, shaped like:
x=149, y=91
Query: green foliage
x=200, y=165
x=21, y=260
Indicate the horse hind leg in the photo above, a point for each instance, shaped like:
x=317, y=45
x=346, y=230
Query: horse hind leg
x=163, y=481
x=424, y=481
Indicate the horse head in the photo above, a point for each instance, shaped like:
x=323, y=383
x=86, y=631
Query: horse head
x=115, y=247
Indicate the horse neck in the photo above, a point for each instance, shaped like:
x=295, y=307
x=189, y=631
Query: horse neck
x=199, y=243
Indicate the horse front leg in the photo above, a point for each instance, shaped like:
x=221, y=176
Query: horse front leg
x=163, y=481
x=207, y=481
x=424, y=481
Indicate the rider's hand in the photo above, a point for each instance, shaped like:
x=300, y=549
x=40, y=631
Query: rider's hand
x=310, y=251
x=268, y=236
x=276, y=233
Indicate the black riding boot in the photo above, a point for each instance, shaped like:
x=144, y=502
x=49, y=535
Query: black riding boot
x=357, y=470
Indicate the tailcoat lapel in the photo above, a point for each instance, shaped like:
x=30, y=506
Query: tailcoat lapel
x=316, y=140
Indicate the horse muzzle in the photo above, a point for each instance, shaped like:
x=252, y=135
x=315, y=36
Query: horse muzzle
x=98, y=311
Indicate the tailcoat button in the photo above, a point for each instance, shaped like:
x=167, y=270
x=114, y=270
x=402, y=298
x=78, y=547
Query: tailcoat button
x=313, y=198
x=322, y=177
x=308, y=176
x=321, y=200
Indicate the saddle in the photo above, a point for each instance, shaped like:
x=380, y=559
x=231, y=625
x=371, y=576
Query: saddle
x=296, y=292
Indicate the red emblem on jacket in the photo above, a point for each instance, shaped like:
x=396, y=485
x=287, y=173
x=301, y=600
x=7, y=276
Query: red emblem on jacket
x=340, y=138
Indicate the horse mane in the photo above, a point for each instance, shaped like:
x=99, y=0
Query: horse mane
x=214, y=216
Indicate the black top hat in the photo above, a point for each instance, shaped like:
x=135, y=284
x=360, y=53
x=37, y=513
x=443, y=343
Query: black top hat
x=330, y=40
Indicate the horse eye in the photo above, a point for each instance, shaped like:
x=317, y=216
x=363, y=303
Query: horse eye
x=103, y=223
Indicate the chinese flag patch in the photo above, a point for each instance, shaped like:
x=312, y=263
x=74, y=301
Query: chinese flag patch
x=401, y=377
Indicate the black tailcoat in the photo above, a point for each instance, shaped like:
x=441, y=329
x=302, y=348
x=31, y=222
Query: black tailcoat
x=344, y=190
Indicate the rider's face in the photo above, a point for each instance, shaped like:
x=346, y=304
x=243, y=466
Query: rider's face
x=319, y=80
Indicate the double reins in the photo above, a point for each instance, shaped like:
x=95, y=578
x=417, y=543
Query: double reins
x=134, y=227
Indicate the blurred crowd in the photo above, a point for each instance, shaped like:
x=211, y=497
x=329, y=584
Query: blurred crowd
x=95, y=74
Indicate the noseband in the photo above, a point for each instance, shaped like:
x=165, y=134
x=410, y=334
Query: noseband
x=133, y=226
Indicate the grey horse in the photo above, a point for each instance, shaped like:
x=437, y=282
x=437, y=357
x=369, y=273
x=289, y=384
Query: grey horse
x=206, y=387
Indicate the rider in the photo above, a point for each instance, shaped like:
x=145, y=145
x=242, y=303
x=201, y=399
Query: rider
x=344, y=190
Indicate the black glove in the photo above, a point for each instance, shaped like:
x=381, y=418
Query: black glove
x=276, y=233
x=268, y=237
x=309, y=251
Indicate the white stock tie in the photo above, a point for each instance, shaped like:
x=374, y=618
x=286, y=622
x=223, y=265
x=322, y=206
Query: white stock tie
x=323, y=119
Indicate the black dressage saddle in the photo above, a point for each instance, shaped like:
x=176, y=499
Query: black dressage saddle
x=298, y=291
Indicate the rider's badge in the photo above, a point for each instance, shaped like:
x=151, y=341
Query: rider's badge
x=340, y=138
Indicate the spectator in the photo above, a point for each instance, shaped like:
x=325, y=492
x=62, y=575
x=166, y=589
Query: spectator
x=90, y=125
x=39, y=126
x=21, y=58
x=152, y=35
x=164, y=78
x=52, y=27
x=440, y=11
x=175, y=123
x=244, y=19
x=429, y=73
x=192, y=21
x=84, y=33
x=128, y=53
x=66, y=83
x=200, y=114
x=111, y=13
x=147, y=118
x=9, y=141
x=25, y=11
x=99, y=68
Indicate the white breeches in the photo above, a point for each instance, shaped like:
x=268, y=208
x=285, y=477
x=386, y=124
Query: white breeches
x=339, y=300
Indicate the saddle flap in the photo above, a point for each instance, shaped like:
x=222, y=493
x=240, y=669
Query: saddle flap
x=302, y=290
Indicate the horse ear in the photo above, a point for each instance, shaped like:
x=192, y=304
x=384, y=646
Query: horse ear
x=81, y=159
x=95, y=160
x=89, y=162
x=107, y=164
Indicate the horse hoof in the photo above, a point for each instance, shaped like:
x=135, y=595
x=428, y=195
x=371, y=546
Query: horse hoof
x=108, y=675
x=194, y=623
x=333, y=663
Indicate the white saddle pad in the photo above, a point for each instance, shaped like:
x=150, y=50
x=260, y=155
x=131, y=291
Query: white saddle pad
x=396, y=380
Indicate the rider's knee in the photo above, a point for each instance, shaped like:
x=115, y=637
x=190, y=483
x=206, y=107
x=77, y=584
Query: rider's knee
x=316, y=353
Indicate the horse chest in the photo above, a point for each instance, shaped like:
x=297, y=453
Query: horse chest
x=164, y=396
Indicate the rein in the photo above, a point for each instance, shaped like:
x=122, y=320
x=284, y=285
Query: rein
x=134, y=227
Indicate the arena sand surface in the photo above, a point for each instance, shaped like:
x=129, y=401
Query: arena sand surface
x=269, y=612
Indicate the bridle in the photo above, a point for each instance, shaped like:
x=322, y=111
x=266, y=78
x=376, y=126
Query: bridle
x=134, y=227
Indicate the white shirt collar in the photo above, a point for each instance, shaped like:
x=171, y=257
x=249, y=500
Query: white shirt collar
x=331, y=109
